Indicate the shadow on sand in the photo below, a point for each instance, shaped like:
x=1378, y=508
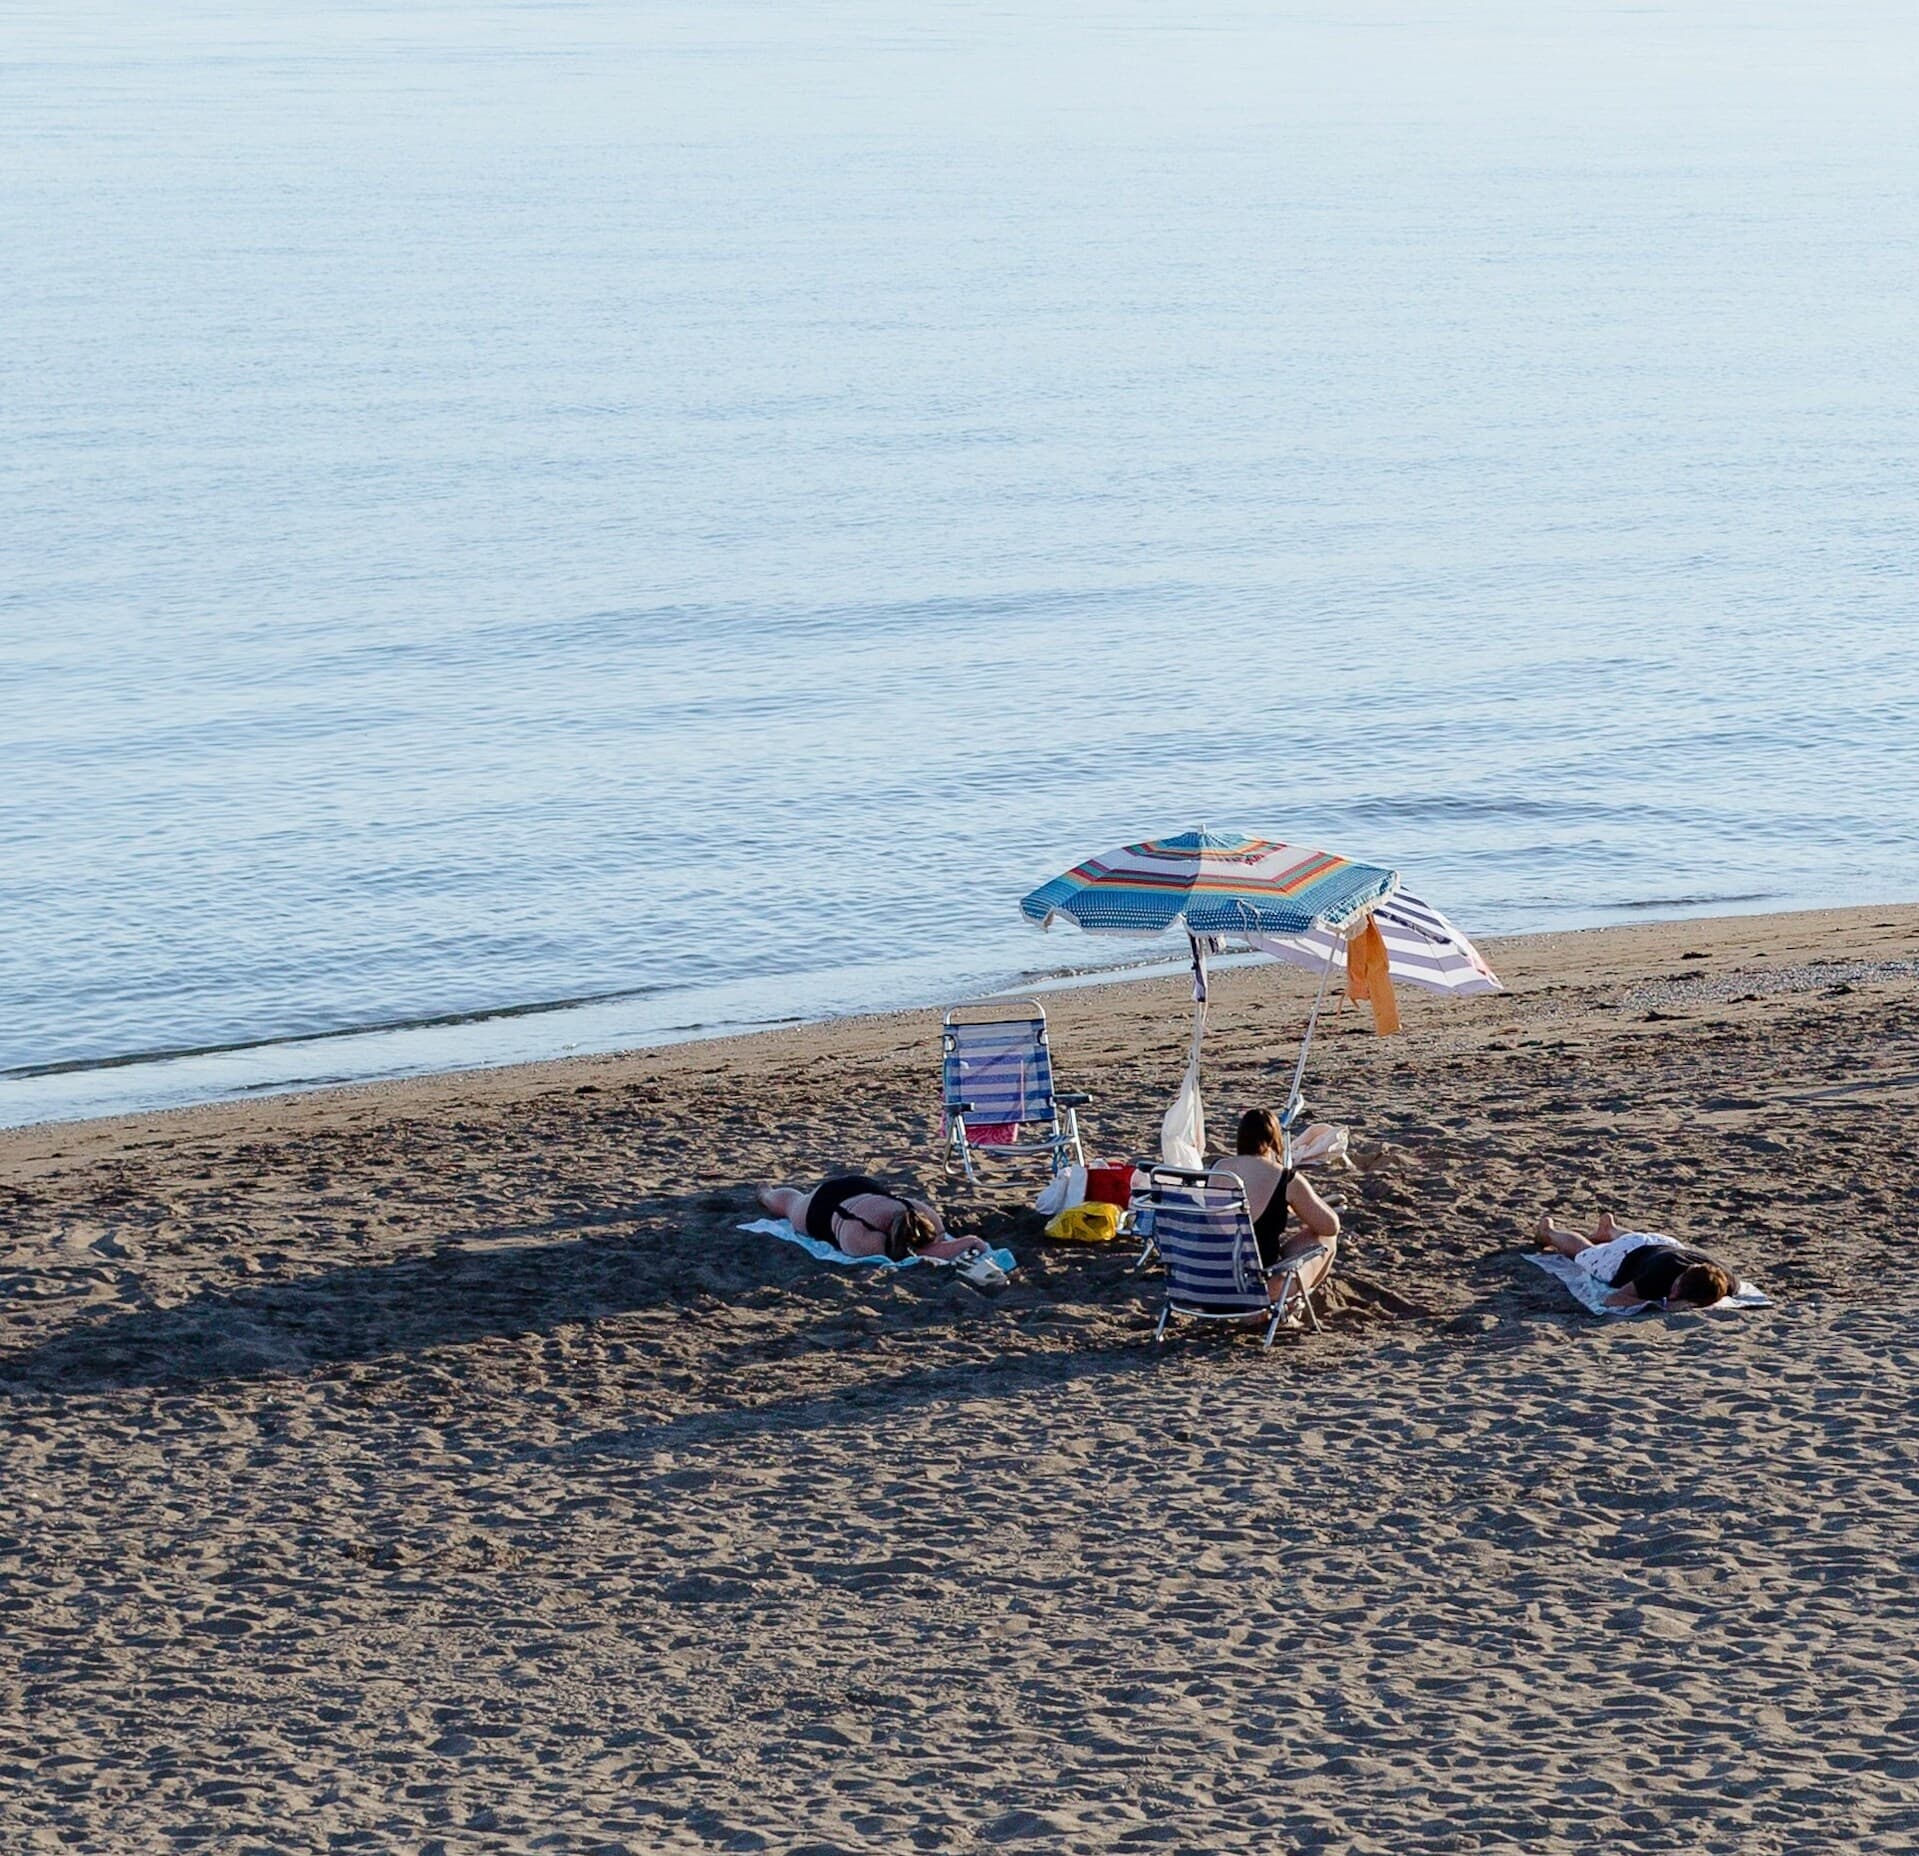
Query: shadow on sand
x=497, y=1282
x=755, y=1300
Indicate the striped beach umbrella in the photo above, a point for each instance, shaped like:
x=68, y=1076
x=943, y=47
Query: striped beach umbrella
x=1301, y=906
x=1211, y=883
x=1423, y=949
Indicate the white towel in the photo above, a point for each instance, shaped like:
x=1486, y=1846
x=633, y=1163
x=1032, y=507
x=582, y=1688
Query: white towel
x=831, y=1253
x=1325, y=1143
x=1590, y=1291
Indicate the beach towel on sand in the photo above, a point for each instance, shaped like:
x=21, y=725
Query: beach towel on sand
x=1587, y=1275
x=831, y=1253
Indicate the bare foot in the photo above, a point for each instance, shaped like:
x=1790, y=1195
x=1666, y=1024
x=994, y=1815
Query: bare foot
x=1606, y=1229
x=1543, y=1232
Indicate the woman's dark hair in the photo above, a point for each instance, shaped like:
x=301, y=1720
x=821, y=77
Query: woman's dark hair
x=1259, y=1133
x=912, y=1231
x=1701, y=1284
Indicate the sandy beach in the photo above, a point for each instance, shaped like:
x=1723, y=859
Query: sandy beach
x=437, y=1468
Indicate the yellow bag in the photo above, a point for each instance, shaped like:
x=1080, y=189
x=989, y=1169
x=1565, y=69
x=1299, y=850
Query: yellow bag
x=1091, y=1223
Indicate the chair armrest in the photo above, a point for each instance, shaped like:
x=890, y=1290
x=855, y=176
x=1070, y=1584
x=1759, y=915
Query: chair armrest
x=1070, y=1098
x=1155, y=1171
x=1298, y=1260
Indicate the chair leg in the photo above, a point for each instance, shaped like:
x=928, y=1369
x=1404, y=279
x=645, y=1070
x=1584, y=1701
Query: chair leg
x=957, y=1143
x=1072, y=1137
x=1146, y=1255
x=1165, y=1312
x=1283, y=1315
x=1312, y=1317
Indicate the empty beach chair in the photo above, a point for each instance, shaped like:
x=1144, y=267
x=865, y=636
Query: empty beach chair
x=996, y=1079
x=1204, y=1235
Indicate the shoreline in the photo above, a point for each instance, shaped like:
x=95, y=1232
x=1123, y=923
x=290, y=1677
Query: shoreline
x=513, y=1036
x=1619, y=944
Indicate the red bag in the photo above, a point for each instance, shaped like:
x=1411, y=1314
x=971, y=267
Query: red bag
x=1109, y=1185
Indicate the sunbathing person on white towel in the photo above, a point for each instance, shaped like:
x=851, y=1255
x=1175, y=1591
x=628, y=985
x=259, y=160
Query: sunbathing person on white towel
x=1641, y=1266
x=859, y=1216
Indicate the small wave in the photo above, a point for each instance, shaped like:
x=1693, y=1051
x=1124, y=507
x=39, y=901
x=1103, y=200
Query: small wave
x=271, y=1088
x=431, y=1021
x=1696, y=902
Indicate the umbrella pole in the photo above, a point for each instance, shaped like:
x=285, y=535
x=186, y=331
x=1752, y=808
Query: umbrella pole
x=1200, y=994
x=1299, y=1069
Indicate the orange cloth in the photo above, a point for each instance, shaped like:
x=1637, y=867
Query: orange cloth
x=1368, y=977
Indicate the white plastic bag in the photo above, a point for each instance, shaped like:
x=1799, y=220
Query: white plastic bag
x=1182, y=1135
x=1062, y=1192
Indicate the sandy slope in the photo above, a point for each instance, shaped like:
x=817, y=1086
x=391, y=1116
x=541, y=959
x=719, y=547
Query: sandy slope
x=437, y=1467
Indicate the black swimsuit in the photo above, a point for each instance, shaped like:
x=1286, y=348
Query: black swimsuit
x=1270, y=1226
x=1650, y=1270
x=829, y=1200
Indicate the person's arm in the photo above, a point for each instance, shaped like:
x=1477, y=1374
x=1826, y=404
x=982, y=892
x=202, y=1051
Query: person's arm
x=870, y=1241
x=1646, y=1275
x=1313, y=1212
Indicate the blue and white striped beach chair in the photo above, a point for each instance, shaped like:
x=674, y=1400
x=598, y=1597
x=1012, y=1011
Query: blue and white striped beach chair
x=1204, y=1235
x=996, y=1080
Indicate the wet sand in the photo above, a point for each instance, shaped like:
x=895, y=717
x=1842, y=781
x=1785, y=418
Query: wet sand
x=436, y=1467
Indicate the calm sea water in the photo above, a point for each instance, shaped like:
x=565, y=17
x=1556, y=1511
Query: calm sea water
x=680, y=513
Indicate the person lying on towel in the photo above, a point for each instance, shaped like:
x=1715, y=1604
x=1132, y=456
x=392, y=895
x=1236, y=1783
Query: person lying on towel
x=1641, y=1266
x=859, y=1216
x=1273, y=1191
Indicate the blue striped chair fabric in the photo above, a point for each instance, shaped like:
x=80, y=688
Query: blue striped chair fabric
x=1203, y=1233
x=998, y=1073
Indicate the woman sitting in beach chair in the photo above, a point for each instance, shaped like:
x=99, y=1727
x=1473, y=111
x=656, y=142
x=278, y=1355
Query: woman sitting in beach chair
x=1641, y=1266
x=859, y=1216
x=1273, y=1191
